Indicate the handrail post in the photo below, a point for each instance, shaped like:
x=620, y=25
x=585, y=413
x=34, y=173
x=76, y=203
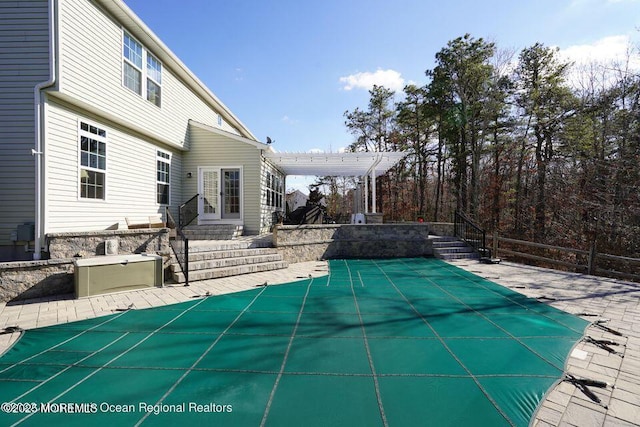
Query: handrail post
x=186, y=262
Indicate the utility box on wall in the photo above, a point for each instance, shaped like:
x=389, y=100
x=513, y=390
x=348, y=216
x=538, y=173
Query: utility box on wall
x=101, y=275
x=26, y=233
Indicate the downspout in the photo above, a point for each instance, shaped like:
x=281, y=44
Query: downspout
x=37, y=152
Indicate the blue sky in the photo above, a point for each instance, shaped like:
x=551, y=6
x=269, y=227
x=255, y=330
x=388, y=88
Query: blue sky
x=290, y=69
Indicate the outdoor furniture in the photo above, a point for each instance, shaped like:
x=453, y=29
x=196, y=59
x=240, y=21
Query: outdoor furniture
x=152, y=221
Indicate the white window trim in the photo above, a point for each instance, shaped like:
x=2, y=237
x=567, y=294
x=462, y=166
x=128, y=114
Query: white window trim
x=167, y=161
x=104, y=139
x=127, y=61
x=271, y=192
x=143, y=72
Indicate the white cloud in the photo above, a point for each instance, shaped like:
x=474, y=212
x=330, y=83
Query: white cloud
x=590, y=3
x=606, y=50
x=238, y=74
x=389, y=79
x=600, y=60
x=288, y=120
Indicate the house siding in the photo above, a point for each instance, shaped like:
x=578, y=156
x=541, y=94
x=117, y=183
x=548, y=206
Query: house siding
x=24, y=43
x=213, y=150
x=267, y=211
x=130, y=175
x=91, y=72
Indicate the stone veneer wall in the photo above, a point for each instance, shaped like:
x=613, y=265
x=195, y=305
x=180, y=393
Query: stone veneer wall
x=298, y=243
x=92, y=243
x=35, y=279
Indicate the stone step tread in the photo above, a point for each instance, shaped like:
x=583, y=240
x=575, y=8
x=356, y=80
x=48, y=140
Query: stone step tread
x=455, y=250
x=448, y=244
x=213, y=232
x=218, y=245
x=212, y=227
x=216, y=273
x=209, y=237
x=233, y=253
x=230, y=262
x=466, y=255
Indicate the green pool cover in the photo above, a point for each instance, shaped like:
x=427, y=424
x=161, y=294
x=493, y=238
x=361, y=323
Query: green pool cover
x=399, y=342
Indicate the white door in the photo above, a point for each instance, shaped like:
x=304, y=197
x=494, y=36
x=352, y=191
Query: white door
x=209, y=193
x=231, y=194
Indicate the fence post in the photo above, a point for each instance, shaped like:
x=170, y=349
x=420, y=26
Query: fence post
x=591, y=267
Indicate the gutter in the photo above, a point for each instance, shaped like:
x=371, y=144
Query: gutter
x=38, y=150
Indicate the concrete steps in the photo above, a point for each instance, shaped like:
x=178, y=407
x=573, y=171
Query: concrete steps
x=224, y=258
x=213, y=232
x=450, y=248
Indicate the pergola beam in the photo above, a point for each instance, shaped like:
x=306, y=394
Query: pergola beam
x=361, y=164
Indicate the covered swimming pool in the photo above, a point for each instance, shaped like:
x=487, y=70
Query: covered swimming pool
x=395, y=342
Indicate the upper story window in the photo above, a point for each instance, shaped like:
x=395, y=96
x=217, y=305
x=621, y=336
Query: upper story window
x=93, y=161
x=154, y=79
x=142, y=72
x=132, y=52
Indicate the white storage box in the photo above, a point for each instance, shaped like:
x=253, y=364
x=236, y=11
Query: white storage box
x=101, y=275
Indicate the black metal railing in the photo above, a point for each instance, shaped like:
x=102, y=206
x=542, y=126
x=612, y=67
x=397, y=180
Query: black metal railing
x=179, y=244
x=471, y=233
x=188, y=211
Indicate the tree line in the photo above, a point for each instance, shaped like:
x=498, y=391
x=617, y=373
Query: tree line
x=525, y=144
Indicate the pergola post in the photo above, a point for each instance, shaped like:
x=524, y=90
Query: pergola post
x=366, y=193
x=373, y=190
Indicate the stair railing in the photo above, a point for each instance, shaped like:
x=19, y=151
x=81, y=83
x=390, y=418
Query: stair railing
x=470, y=233
x=179, y=244
x=188, y=211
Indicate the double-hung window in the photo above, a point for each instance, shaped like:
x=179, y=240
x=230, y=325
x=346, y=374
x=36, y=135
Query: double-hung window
x=141, y=71
x=163, y=177
x=154, y=79
x=132, y=53
x=274, y=190
x=93, y=161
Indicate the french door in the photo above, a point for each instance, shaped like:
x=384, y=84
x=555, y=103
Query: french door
x=220, y=191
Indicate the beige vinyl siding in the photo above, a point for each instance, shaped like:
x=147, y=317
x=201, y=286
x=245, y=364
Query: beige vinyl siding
x=24, y=43
x=213, y=150
x=130, y=175
x=92, y=68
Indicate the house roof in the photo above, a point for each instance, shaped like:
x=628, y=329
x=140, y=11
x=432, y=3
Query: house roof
x=335, y=164
x=259, y=145
x=143, y=33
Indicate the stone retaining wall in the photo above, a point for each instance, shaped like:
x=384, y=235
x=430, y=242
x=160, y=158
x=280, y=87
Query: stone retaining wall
x=92, y=243
x=35, y=279
x=298, y=243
